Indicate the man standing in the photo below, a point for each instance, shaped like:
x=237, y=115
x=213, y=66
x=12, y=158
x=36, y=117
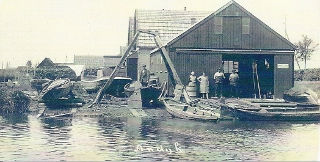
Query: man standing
x=234, y=81
x=144, y=76
x=218, y=77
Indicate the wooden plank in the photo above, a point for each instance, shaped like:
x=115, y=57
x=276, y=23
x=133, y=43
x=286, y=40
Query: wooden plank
x=134, y=112
x=41, y=111
x=142, y=113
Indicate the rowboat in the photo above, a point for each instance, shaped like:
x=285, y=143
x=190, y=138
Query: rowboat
x=280, y=111
x=190, y=111
x=267, y=114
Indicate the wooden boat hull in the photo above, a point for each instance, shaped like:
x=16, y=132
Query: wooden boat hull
x=150, y=95
x=56, y=89
x=116, y=88
x=181, y=110
x=265, y=115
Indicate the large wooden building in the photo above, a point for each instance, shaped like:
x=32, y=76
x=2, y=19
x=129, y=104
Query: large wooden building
x=232, y=39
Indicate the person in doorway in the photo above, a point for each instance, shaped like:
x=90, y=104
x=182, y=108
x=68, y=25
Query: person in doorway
x=144, y=76
x=218, y=77
x=204, y=86
x=234, y=83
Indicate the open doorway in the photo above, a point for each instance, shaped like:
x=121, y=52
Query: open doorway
x=256, y=75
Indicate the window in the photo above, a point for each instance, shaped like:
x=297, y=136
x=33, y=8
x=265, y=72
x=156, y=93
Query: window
x=218, y=25
x=245, y=25
x=228, y=66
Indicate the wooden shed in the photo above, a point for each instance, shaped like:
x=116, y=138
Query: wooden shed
x=232, y=39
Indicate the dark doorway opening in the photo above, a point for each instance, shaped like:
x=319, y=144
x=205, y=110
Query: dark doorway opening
x=256, y=75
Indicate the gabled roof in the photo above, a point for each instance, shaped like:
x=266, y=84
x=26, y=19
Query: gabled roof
x=46, y=62
x=169, y=23
x=232, y=2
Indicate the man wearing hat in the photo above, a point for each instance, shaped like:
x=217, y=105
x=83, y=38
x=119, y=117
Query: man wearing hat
x=234, y=79
x=144, y=76
x=218, y=77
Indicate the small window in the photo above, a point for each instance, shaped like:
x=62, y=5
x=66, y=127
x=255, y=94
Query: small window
x=228, y=66
x=218, y=25
x=245, y=25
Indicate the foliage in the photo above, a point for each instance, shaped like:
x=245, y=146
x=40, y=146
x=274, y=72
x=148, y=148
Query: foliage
x=13, y=101
x=307, y=75
x=54, y=73
x=29, y=64
x=305, y=49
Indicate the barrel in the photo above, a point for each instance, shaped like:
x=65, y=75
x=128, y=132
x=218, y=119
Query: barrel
x=192, y=90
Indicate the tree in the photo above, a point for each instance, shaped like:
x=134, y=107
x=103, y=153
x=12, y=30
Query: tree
x=29, y=64
x=305, y=49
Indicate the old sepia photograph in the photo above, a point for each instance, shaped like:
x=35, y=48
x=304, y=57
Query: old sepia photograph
x=159, y=80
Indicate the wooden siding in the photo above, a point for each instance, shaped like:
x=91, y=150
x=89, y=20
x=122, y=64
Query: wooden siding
x=132, y=68
x=260, y=35
x=158, y=67
x=283, y=74
x=197, y=62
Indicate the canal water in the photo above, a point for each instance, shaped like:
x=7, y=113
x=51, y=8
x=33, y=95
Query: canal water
x=156, y=137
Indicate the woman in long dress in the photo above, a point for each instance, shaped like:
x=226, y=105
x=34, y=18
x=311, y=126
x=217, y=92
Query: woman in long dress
x=204, y=85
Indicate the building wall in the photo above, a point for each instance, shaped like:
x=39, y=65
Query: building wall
x=283, y=74
x=198, y=62
x=132, y=68
x=89, y=61
x=111, y=60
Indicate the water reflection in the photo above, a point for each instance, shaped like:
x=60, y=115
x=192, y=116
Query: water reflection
x=152, y=138
x=13, y=119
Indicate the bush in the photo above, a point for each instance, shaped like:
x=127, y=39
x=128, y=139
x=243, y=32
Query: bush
x=13, y=101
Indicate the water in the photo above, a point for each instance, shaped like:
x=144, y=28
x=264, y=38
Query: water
x=161, y=137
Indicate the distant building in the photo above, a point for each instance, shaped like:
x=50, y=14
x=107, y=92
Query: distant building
x=89, y=61
x=111, y=60
x=169, y=24
x=46, y=63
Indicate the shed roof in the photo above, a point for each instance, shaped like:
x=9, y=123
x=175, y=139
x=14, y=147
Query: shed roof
x=206, y=19
x=169, y=23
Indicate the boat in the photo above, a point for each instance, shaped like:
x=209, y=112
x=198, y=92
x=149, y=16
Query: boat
x=38, y=84
x=115, y=89
x=190, y=111
x=55, y=90
x=151, y=93
x=267, y=114
x=276, y=111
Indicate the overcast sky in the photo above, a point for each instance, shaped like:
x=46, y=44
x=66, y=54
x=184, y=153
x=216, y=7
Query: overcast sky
x=35, y=29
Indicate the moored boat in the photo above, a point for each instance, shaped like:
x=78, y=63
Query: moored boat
x=56, y=89
x=261, y=110
x=151, y=93
x=191, y=112
x=269, y=114
x=115, y=89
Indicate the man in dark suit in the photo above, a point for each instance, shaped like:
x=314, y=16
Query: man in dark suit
x=144, y=76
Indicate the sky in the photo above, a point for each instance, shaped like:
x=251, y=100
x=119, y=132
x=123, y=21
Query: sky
x=60, y=29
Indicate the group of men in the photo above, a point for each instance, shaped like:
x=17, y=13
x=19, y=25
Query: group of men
x=219, y=78
x=233, y=81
